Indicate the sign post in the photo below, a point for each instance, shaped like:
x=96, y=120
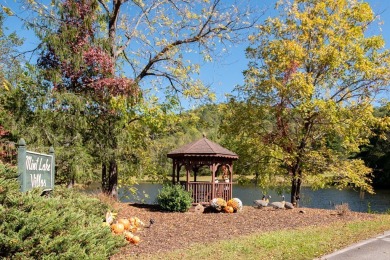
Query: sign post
x=35, y=169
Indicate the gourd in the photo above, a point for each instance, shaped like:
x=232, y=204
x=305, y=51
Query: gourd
x=236, y=203
x=128, y=235
x=118, y=228
x=125, y=222
x=135, y=239
x=229, y=209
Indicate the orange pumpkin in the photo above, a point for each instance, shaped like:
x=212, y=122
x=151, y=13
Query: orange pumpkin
x=125, y=222
x=229, y=209
x=118, y=228
x=135, y=239
x=128, y=235
x=132, y=221
x=133, y=228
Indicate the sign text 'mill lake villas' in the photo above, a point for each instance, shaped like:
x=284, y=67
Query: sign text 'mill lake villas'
x=36, y=170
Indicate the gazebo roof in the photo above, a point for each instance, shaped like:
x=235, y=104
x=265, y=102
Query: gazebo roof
x=203, y=148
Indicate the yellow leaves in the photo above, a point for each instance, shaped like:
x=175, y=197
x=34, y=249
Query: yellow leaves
x=207, y=57
x=375, y=42
x=382, y=124
x=280, y=54
x=252, y=38
x=295, y=50
x=161, y=42
x=191, y=15
x=197, y=90
x=7, y=86
x=118, y=103
x=7, y=10
x=140, y=3
x=364, y=65
x=301, y=85
x=353, y=172
x=178, y=71
x=362, y=12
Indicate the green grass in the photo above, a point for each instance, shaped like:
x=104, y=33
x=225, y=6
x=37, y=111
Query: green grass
x=302, y=243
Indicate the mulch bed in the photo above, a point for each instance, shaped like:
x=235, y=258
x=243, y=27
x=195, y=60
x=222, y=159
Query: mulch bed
x=172, y=231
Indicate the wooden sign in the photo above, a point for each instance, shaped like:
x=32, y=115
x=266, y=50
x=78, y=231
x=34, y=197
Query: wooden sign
x=36, y=170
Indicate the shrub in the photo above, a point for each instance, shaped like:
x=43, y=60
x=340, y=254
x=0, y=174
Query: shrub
x=66, y=224
x=174, y=198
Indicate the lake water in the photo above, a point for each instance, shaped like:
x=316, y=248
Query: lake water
x=324, y=199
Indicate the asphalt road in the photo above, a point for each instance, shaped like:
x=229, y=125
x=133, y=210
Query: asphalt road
x=372, y=249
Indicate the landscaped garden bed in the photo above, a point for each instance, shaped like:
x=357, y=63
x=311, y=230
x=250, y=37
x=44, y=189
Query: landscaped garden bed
x=171, y=231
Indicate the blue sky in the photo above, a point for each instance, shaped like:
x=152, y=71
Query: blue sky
x=224, y=74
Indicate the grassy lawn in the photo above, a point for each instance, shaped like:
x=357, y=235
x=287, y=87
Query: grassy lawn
x=303, y=243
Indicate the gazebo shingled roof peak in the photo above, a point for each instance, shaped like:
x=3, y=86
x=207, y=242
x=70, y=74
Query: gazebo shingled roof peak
x=202, y=147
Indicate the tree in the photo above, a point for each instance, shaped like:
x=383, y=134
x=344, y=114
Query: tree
x=77, y=64
x=306, y=105
x=376, y=154
x=10, y=71
x=153, y=40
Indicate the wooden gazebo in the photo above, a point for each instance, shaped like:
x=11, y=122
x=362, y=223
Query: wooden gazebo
x=202, y=153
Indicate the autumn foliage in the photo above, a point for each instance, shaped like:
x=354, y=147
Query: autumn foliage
x=73, y=55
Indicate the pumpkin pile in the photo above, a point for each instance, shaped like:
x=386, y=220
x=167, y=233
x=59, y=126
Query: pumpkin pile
x=125, y=227
x=220, y=205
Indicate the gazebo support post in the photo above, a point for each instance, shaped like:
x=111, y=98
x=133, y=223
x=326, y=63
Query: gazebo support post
x=178, y=172
x=188, y=168
x=195, y=170
x=174, y=170
x=231, y=180
x=213, y=180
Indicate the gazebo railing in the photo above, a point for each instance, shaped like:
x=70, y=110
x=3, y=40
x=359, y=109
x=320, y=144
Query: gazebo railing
x=202, y=191
x=223, y=190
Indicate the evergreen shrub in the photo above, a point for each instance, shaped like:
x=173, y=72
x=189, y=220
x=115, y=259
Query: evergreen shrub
x=174, y=198
x=64, y=225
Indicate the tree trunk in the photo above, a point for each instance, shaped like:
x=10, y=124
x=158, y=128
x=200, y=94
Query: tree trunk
x=296, y=181
x=110, y=179
x=257, y=176
x=104, y=178
x=71, y=183
x=113, y=179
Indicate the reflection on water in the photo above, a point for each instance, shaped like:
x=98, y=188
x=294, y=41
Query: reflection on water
x=325, y=199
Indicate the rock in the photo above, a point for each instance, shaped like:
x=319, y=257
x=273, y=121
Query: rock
x=199, y=209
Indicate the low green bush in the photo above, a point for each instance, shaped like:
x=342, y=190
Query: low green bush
x=64, y=225
x=174, y=198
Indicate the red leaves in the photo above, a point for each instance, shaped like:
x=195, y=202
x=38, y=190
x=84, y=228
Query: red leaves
x=115, y=86
x=99, y=61
x=76, y=11
x=292, y=68
x=84, y=66
x=7, y=149
x=3, y=132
